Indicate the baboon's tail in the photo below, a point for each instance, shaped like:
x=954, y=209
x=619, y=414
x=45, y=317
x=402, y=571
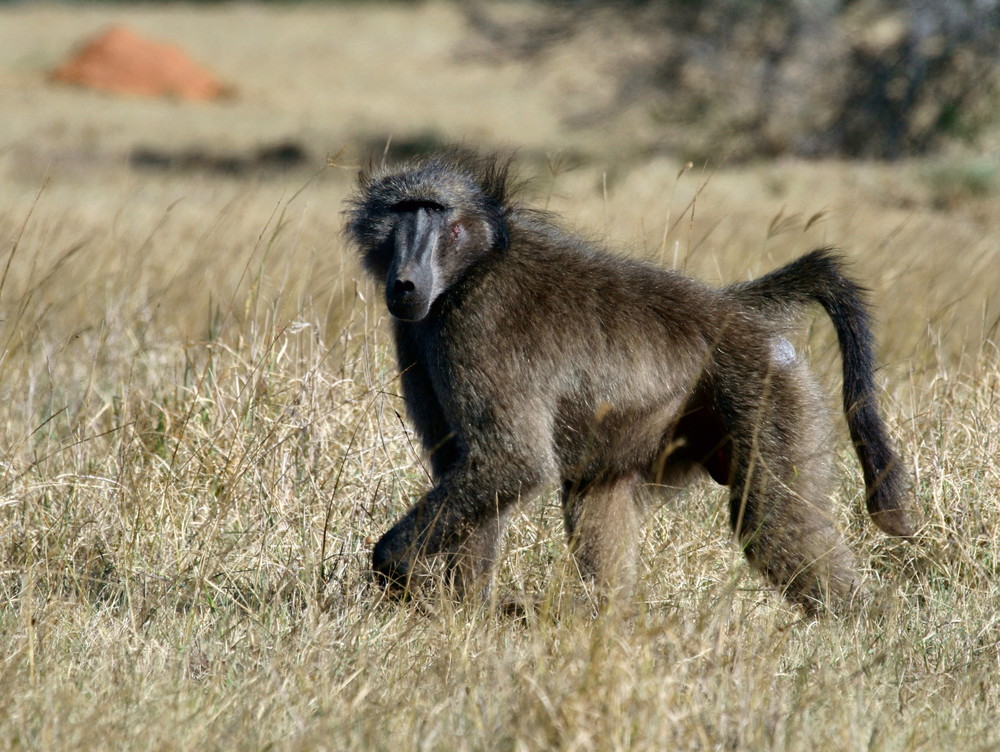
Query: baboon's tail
x=819, y=277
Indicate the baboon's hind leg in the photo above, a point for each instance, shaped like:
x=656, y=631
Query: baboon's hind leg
x=780, y=492
x=602, y=522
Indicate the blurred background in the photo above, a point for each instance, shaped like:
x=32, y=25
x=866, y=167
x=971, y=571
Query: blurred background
x=719, y=80
x=856, y=78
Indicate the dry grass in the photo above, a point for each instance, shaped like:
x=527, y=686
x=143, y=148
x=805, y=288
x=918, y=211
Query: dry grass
x=199, y=439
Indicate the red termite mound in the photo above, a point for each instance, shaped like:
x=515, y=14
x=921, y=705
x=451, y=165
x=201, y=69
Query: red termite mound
x=119, y=60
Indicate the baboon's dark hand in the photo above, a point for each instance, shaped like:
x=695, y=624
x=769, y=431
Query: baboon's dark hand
x=389, y=561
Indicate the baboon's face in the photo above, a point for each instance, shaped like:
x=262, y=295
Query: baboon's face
x=415, y=278
x=421, y=229
x=432, y=245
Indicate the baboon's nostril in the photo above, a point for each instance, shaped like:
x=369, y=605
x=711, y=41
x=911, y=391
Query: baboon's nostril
x=402, y=285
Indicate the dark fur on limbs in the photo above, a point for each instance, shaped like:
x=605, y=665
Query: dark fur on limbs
x=529, y=355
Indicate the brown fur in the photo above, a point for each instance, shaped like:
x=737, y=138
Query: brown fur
x=529, y=355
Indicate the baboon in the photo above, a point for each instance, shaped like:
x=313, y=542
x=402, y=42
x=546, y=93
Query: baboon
x=528, y=355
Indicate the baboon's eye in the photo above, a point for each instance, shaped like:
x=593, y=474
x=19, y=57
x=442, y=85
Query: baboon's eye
x=402, y=207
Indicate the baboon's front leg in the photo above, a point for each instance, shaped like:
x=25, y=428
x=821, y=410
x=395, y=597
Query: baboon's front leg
x=602, y=522
x=420, y=532
x=457, y=518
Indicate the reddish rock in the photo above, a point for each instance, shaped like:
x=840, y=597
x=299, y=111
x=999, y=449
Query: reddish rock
x=121, y=61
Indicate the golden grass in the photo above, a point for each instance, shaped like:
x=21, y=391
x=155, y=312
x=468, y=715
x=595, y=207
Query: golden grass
x=200, y=439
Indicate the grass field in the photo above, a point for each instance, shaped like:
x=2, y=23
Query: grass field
x=200, y=432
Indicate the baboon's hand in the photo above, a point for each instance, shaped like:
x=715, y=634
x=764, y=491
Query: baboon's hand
x=390, y=560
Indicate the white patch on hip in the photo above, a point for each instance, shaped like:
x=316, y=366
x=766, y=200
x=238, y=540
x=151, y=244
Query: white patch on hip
x=782, y=351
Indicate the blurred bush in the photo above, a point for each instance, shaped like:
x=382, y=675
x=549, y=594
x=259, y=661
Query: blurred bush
x=859, y=78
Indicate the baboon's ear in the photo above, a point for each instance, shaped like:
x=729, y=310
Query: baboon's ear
x=499, y=233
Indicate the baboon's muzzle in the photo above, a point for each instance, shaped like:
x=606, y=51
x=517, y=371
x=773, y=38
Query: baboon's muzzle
x=411, y=283
x=407, y=296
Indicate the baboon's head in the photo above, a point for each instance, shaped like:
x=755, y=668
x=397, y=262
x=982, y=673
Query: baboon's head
x=421, y=227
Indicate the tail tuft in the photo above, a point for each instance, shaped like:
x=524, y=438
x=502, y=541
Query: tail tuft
x=887, y=495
